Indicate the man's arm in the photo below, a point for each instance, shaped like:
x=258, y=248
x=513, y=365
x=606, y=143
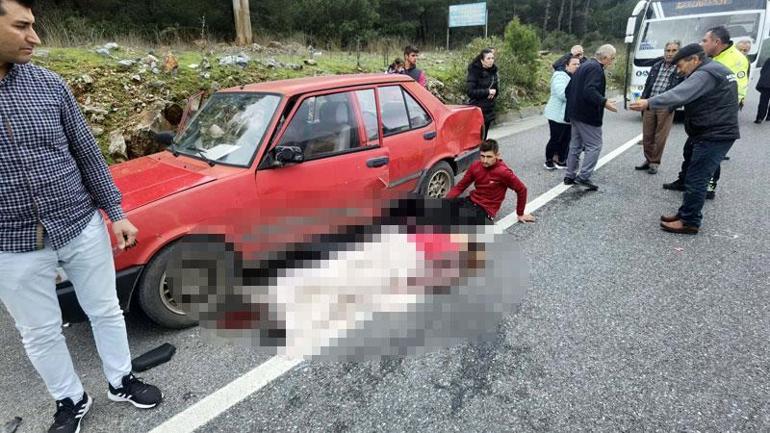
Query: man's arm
x=93, y=168
x=423, y=79
x=463, y=184
x=591, y=91
x=696, y=85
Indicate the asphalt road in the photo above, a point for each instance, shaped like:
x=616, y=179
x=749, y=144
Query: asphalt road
x=624, y=327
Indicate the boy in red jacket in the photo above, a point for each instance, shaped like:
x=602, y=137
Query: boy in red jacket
x=491, y=178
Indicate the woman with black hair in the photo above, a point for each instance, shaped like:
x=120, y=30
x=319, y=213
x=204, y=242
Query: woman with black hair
x=482, y=85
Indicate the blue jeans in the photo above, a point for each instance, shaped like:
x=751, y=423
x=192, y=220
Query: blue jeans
x=28, y=290
x=706, y=157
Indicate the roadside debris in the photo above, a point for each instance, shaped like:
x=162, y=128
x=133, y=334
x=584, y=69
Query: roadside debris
x=154, y=357
x=12, y=425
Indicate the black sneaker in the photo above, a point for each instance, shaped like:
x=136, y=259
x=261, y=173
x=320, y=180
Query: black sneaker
x=549, y=165
x=69, y=415
x=587, y=184
x=676, y=185
x=569, y=181
x=136, y=392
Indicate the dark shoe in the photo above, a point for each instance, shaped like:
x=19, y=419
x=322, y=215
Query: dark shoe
x=569, y=181
x=587, y=184
x=644, y=166
x=676, y=185
x=679, y=227
x=758, y=121
x=69, y=415
x=560, y=165
x=136, y=392
x=711, y=195
x=549, y=165
x=669, y=218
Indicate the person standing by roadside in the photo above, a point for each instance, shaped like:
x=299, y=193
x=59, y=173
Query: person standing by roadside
x=656, y=124
x=53, y=180
x=557, y=149
x=717, y=45
x=397, y=67
x=410, y=65
x=710, y=98
x=586, y=102
x=482, y=85
x=763, y=86
x=575, y=51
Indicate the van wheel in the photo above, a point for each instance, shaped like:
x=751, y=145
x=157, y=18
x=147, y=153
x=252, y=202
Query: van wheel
x=439, y=180
x=156, y=294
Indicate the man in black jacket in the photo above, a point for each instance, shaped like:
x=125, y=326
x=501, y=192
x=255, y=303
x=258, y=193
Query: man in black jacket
x=763, y=86
x=710, y=98
x=585, y=109
x=656, y=124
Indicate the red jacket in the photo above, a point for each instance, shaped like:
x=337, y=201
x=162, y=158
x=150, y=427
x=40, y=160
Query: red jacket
x=491, y=184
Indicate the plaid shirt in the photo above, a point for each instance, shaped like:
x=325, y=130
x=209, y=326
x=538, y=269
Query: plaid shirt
x=52, y=173
x=664, y=77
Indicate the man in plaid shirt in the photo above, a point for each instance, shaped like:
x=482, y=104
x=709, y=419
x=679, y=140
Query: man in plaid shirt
x=53, y=181
x=656, y=124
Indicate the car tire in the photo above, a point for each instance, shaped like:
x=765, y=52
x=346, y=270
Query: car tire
x=155, y=297
x=438, y=181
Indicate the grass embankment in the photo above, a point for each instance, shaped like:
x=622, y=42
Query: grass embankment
x=118, y=95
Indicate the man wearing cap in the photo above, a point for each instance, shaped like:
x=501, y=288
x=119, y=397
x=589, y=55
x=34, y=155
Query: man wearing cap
x=717, y=45
x=710, y=98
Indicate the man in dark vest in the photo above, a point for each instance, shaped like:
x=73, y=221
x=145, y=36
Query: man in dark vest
x=410, y=66
x=710, y=98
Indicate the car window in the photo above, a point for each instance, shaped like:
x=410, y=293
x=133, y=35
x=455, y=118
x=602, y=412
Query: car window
x=417, y=116
x=323, y=125
x=368, y=107
x=229, y=127
x=394, y=115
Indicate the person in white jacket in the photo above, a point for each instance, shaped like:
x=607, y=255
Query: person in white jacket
x=558, y=145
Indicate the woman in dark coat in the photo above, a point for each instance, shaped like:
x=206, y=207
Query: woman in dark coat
x=482, y=83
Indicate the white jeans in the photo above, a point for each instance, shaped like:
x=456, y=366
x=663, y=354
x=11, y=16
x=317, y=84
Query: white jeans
x=28, y=290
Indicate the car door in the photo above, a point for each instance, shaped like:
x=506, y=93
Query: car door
x=408, y=133
x=344, y=163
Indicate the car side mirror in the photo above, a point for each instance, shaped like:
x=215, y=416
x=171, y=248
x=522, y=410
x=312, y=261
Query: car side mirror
x=288, y=154
x=165, y=138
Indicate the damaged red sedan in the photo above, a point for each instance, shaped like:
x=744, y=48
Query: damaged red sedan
x=253, y=147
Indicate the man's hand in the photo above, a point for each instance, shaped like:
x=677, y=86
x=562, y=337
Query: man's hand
x=492, y=93
x=639, y=105
x=125, y=233
x=526, y=218
x=610, y=105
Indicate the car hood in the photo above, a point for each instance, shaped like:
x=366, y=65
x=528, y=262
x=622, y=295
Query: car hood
x=144, y=180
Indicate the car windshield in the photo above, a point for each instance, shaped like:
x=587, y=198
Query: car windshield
x=742, y=26
x=229, y=128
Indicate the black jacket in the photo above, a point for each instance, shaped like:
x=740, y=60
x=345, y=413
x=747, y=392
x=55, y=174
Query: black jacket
x=714, y=116
x=585, y=94
x=673, y=81
x=478, y=83
x=763, y=83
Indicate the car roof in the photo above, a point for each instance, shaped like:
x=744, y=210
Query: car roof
x=313, y=84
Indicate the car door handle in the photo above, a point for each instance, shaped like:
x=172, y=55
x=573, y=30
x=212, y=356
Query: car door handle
x=429, y=135
x=377, y=162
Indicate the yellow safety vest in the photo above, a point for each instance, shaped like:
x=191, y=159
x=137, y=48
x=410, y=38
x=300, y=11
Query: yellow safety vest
x=736, y=62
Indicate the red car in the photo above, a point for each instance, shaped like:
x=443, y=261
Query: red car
x=260, y=147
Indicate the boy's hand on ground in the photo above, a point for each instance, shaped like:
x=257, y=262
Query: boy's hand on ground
x=526, y=218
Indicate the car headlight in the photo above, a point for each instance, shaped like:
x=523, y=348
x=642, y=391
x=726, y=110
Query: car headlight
x=61, y=276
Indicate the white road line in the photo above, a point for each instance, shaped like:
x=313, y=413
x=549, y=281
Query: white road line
x=211, y=406
x=509, y=220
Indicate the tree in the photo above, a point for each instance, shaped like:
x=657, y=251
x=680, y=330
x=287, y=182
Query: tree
x=242, y=15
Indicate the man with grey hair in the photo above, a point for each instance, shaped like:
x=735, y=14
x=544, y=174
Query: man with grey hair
x=586, y=102
x=656, y=124
x=576, y=51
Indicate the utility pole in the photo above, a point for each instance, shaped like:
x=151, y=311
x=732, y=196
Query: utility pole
x=243, y=34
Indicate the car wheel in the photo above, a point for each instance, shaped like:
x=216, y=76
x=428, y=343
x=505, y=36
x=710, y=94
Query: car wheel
x=438, y=181
x=156, y=295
